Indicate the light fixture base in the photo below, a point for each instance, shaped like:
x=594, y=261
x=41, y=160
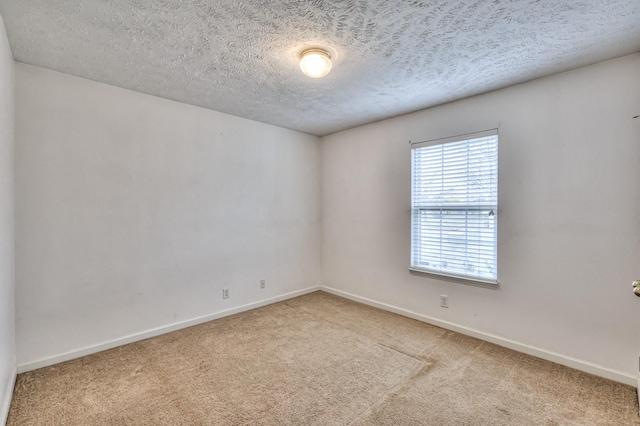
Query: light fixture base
x=315, y=62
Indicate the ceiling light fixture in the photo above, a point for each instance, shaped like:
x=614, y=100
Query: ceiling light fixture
x=315, y=63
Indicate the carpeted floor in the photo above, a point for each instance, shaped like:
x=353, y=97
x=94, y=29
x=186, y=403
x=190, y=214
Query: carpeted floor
x=316, y=360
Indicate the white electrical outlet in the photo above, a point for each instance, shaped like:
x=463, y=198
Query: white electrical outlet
x=225, y=293
x=263, y=283
x=444, y=300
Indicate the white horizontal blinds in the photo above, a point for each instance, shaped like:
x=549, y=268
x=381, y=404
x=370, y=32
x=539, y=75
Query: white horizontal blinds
x=454, y=207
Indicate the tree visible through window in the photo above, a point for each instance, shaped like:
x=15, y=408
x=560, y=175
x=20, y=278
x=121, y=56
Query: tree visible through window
x=454, y=206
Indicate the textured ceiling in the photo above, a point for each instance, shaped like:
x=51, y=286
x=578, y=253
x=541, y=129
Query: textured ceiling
x=390, y=57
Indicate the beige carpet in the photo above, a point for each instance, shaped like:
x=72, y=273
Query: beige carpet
x=316, y=360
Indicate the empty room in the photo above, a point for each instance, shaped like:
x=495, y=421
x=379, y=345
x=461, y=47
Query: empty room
x=321, y=212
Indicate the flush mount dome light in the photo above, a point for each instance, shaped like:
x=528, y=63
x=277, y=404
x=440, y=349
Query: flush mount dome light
x=315, y=63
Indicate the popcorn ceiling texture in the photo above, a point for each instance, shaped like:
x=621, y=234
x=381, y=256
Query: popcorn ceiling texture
x=390, y=57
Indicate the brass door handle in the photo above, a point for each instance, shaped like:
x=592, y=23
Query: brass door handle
x=636, y=288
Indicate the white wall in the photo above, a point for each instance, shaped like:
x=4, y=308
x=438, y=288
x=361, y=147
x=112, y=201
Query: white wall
x=133, y=212
x=569, y=187
x=7, y=325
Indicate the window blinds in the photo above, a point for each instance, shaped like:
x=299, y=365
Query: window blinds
x=454, y=206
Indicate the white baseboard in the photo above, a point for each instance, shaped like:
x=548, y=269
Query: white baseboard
x=56, y=359
x=8, y=393
x=578, y=364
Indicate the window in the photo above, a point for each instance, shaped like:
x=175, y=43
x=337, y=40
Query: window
x=454, y=206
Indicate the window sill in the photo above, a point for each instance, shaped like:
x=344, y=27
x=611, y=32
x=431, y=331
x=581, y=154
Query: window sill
x=457, y=278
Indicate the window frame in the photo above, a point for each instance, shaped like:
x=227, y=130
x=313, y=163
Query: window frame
x=481, y=281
